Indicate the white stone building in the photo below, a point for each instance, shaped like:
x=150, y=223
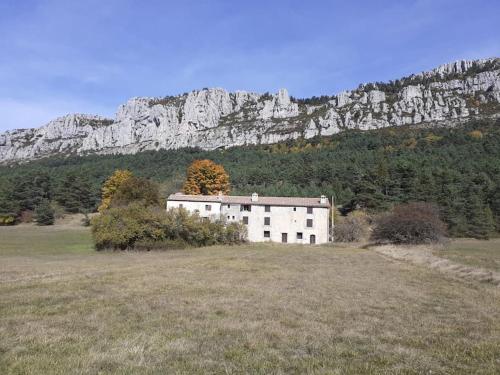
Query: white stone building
x=277, y=219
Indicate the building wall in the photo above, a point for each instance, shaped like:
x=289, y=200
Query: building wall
x=200, y=206
x=283, y=219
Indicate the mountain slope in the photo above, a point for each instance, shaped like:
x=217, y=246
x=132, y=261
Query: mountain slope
x=215, y=118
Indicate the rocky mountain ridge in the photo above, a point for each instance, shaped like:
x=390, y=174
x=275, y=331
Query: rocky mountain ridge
x=215, y=118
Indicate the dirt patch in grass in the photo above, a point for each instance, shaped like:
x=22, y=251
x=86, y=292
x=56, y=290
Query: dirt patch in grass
x=424, y=255
x=471, y=252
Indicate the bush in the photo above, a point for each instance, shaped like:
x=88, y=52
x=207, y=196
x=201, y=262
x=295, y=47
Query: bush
x=44, y=213
x=7, y=219
x=148, y=228
x=351, y=228
x=26, y=216
x=412, y=223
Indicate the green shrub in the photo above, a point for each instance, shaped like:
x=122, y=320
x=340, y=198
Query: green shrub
x=150, y=228
x=44, y=213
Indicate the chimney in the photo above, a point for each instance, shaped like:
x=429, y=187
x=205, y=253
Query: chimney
x=255, y=197
x=322, y=199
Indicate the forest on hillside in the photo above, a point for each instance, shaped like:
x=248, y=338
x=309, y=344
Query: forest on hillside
x=458, y=168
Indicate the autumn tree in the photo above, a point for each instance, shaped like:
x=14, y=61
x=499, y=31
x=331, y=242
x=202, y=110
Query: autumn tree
x=136, y=189
x=111, y=186
x=204, y=177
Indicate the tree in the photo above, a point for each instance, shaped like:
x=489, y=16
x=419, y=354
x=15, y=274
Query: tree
x=75, y=194
x=136, y=189
x=9, y=208
x=44, y=213
x=31, y=188
x=111, y=185
x=480, y=222
x=206, y=178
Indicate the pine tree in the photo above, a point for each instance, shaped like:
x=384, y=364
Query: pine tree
x=75, y=194
x=44, y=213
x=480, y=223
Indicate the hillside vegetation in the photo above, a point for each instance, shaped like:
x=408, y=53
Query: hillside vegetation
x=457, y=168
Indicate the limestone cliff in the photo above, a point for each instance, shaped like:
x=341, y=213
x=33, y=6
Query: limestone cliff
x=213, y=118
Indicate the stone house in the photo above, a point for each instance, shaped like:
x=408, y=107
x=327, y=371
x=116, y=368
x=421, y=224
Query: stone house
x=277, y=219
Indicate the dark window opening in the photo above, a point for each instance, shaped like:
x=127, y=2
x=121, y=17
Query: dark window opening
x=295, y=208
x=312, y=240
x=309, y=210
x=267, y=208
x=267, y=221
x=299, y=235
x=267, y=234
x=181, y=205
x=309, y=223
x=246, y=207
x=245, y=219
x=208, y=207
x=284, y=237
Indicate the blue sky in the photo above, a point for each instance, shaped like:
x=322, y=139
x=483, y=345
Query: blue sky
x=89, y=56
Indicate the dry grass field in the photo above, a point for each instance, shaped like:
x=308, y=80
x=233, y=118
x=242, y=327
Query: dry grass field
x=484, y=254
x=255, y=309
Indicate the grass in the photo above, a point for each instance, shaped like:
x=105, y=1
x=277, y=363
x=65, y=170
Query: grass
x=484, y=254
x=31, y=240
x=233, y=310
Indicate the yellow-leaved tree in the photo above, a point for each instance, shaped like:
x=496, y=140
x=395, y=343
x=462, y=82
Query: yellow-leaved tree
x=204, y=177
x=111, y=185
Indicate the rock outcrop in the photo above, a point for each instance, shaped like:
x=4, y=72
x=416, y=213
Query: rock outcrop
x=215, y=118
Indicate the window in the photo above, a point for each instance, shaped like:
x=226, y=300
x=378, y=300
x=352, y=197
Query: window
x=246, y=207
x=267, y=234
x=309, y=210
x=208, y=207
x=299, y=235
x=267, y=208
x=309, y=223
x=233, y=217
x=295, y=208
x=228, y=217
x=245, y=219
x=228, y=206
x=181, y=205
x=267, y=221
x=197, y=211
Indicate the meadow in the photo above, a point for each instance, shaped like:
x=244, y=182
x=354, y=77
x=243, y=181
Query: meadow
x=256, y=308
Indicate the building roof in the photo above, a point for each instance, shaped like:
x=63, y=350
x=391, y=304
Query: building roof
x=245, y=199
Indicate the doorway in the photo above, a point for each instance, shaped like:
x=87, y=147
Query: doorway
x=284, y=237
x=312, y=239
